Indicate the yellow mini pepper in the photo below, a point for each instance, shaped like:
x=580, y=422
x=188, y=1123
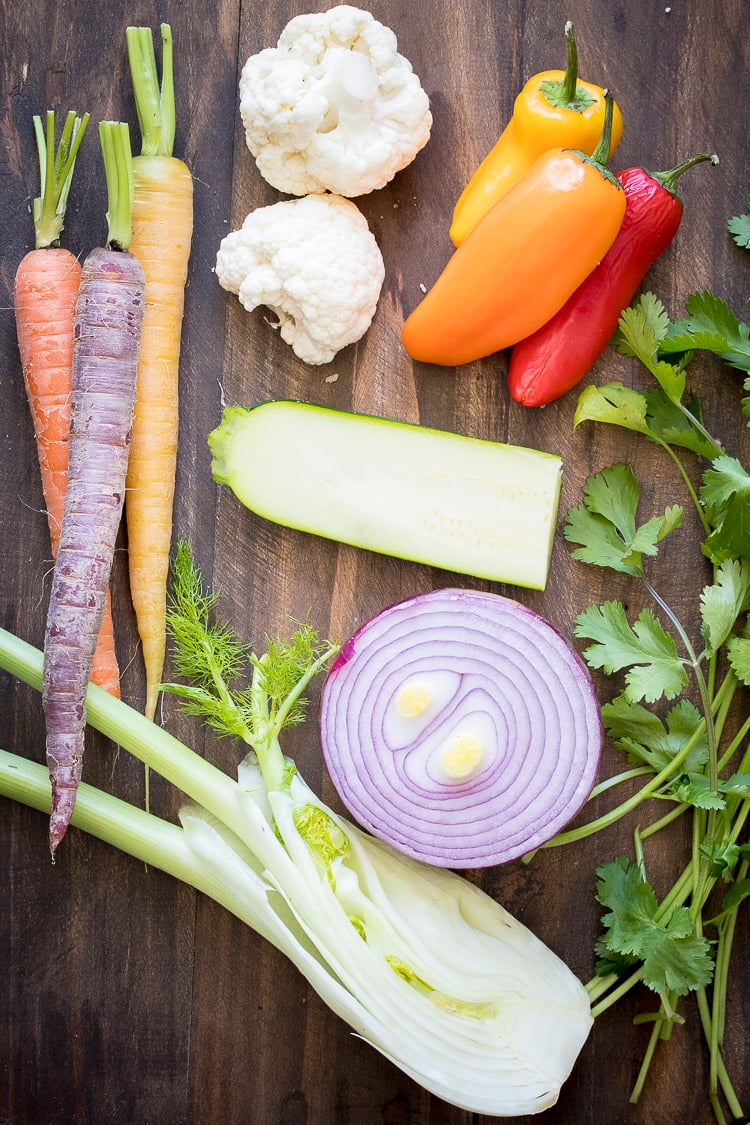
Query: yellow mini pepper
x=553, y=110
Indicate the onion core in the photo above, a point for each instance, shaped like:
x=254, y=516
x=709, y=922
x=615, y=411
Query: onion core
x=460, y=727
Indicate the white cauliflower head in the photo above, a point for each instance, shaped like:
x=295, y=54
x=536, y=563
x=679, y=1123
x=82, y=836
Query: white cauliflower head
x=334, y=106
x=314, y=263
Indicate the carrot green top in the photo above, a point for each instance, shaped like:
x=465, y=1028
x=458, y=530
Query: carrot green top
x=56, y=173
x=154, y=104
x=118, y=170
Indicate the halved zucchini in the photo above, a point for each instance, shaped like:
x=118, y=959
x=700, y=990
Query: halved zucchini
x=430, y=496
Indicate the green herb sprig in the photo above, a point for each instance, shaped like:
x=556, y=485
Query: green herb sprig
x=210, y=657
x=674, y=713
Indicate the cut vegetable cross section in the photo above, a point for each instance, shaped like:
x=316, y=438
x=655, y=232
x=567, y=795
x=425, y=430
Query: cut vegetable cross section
x=461, y=728
x=429, y=496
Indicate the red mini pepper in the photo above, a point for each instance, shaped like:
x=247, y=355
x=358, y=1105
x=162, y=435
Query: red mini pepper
x=548, y=363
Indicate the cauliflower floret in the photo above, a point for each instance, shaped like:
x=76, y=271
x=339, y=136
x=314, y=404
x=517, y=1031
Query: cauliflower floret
x=334, y=106
x=314, y=263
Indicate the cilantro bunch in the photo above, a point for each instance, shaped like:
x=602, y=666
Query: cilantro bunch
x=680, y=715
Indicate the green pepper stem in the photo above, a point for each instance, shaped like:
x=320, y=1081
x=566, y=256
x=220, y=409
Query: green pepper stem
x=602, y=151
x=570, y=82
x=669, y=179
x=567, y=93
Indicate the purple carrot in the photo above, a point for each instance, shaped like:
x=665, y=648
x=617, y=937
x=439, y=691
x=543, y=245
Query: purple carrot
x=106, y=339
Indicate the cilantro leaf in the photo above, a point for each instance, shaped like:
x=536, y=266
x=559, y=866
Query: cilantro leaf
x=614, y=404
x=724, y=601
x=614, y=494
x=675, y=958
x=646, y=649
x=644, y=737
x=722, y=857
x=739, y=227
x=667, y=422
x=608, y=962
x=694, y=789
x=710, y=325
x=735, y=895
x=738, y=785
x=641, y=330
x=738, y=650
x=631, y=903
x=604, y=524
x=600, y=544
x=726, y=495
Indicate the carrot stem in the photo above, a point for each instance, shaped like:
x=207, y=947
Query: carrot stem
x=154, y=103
x=118, y=170
x=56, y=173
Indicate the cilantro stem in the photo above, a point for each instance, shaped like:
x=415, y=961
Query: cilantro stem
x=616, y=994
x=657, y=825
x=618, y=779
x=721, y=703
x=739, y=821
x=739, y=738
x=677, y=895
x=713, y=777
x=698, y=425
x=703, y=882
x=713, y=664
x=639, y=856
x=653, y=1039
x=648, y=790
x=688, y=483
x=726, y=928
x=719, y=1074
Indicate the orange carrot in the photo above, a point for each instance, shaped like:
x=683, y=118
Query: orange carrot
x=162, y=231
x=45, y=293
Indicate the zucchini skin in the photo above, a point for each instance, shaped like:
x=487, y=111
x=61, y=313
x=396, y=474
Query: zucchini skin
x=428, y=496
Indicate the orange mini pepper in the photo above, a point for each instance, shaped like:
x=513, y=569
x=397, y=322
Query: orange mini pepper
x=523, y=260
x=553, y=110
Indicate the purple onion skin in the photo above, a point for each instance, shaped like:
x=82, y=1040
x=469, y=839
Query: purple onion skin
x=109, y=313
x=434, y=825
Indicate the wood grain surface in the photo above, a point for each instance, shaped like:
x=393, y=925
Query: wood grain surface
x=126, y=997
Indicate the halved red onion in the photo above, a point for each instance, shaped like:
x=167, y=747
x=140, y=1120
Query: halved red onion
x=460, y=727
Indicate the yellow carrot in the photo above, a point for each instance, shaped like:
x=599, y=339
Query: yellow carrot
x=162, y=231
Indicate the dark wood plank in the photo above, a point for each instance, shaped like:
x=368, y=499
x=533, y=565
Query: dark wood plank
x=125, y=996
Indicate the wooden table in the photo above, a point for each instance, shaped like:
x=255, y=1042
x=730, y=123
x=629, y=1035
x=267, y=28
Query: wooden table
x=125, y=997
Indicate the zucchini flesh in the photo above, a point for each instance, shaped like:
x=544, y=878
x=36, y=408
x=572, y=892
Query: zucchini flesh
x=463, y=504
